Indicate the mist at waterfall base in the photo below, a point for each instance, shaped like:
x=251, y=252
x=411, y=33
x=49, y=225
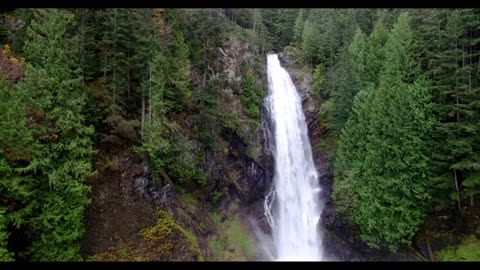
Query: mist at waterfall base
x=293, y=206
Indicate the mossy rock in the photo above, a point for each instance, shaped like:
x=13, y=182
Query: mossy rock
x=166, y=241
x=170, y=242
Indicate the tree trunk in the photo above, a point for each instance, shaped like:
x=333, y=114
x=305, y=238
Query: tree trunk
x=456, y=84
x=150, y=93
x=128, y=73
x=105, y=59
x=458, y=191
x=205, y=61
x=82, y=27
x=143, y=114
x=114, y=59
x=429, y=248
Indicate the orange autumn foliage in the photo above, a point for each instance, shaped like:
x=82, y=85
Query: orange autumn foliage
x=10, y=66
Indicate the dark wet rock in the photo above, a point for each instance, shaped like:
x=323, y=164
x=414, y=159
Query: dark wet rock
x=153, y=192
x=328, y=216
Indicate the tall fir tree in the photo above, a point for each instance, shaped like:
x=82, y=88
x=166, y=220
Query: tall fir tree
x=299, y=23
x=455, y=93
x=56, y=98
x=348, y=80
x=390, y=182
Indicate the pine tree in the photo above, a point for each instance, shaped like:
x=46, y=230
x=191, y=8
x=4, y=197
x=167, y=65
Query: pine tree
x=365, y=19
x=310, y=41
x=86, y=42
x=469, y=104
x=387, y=145
x=299, y=22
x=375, y=52
x=120, y=28
x=177, y=88
x=156, y=141
x=455, y=92
x=280, y=23
x=393, y=188
x=171, y=154
x=349, y=155
x=319, y=83
x=427, y=26
x=56, y=95
x=348, y=80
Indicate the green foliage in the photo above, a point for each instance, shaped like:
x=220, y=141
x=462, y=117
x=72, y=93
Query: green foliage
x=299, y=23
x=126, y=41
x=386, y=184
x=348, y=81
x=350, y=155
x=16, y=150
x=5, y=255
x=280, y=24
x=187, y=197
x=231, y=122
x=14, y=134
x=207, y=119
x=194, y=242
x=375, y=52
x=251, y=97
x=325, y=32
x=176, y=158
x=166, y=234
x=309, y=41
x=177, y=81
x=56, y=97
x=468, y=250
x=86, y=42
x=446, y=46
x=319, y=82
x=171, y=153
x=218, y=197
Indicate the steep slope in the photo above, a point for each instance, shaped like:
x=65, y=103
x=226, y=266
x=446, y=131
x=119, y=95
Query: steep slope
x=216, y=219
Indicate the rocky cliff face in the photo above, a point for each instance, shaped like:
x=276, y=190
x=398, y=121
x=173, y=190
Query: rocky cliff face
x=239, y=170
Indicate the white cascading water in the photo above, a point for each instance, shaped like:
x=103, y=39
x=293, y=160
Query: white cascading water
x=293, y=208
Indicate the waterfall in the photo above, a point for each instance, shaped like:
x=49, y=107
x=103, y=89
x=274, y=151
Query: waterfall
x=293, y=206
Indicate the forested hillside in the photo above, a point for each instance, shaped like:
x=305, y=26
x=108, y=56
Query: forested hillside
x=80, y=87
x=399, y=103
x=139, y=134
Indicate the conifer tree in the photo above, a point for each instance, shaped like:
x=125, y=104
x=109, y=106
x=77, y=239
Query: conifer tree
x=348, y=80
x=299, y=22
x=456, y=103
x=390, y=182
x=393, y=188
x=60, y=167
